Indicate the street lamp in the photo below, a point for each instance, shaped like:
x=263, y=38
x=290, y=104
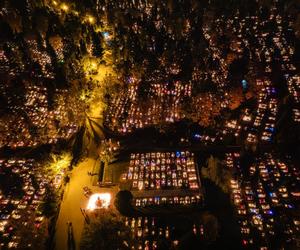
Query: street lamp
x=93, y=65
x=90, y=19
x=65, y=7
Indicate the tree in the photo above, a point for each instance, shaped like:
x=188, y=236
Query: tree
x=211, y=226
x=236, y=98
x=106, y=232
x=49, y=205
x=77, y=149
x=123, y=202
x=41, y=21
x=143, y=89
x=203, y=109
x=217, y=173
x=11, y=183
x=296, y=26
x=97, y=46
x=57, y=45
x=12, y=24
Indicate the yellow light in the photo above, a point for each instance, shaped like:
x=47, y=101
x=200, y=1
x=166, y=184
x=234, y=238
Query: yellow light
x=93, y=65
x=54, y=2
x=82, y=97
x=99, y=200
x=91, y=19
x=65, y=7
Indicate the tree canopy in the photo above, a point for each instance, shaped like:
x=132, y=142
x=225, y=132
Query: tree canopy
x=106, y=232
x=123, y=202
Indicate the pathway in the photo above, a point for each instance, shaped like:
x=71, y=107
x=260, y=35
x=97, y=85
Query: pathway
x=73, y=200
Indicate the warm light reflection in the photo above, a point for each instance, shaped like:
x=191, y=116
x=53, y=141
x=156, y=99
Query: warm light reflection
x=99, y=200
x=91, y=19
x=65, y=7
x=93, y=65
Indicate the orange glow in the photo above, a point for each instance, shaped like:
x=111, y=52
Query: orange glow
x=65, y=7
x=102, y=198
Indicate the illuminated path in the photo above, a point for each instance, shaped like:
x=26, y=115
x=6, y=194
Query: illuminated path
x=73, y=200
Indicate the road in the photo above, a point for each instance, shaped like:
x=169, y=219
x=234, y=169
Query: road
x=73, y=200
